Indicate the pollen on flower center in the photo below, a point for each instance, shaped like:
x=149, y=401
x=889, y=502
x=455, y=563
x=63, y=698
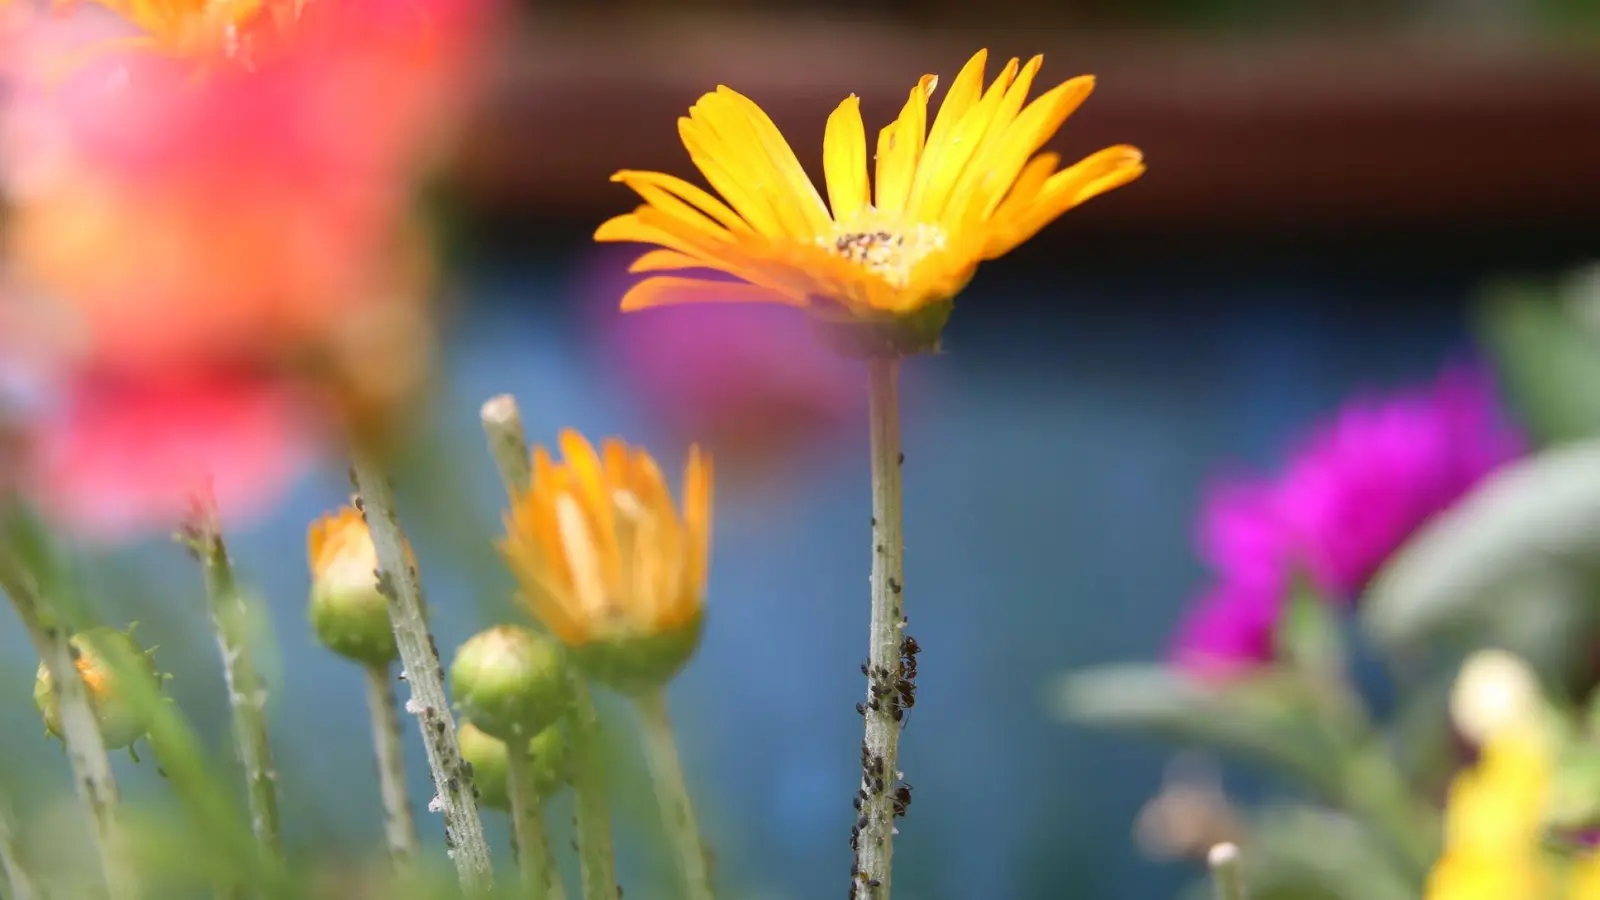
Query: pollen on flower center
x=891, y=255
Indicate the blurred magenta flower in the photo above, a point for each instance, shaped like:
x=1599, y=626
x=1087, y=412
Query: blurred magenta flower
x=751, y=382
x=1347, y=500
x=212, y=239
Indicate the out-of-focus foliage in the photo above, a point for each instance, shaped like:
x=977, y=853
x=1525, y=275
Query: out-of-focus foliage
x=1511, y=564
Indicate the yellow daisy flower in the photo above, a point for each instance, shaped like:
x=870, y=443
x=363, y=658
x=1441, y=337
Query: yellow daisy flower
x=607, y=562
x=967, y=189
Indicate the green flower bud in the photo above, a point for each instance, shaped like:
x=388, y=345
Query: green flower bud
x=121, y=721
x=348, y=613
x=490, y=775
x=638, y=663
x=510, y=682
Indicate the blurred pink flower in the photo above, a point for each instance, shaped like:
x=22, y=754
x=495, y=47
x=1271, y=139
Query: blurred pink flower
x=270, y=201
x=750, y=382
x=1349, y=498
x=113, y=457
x=202, y=206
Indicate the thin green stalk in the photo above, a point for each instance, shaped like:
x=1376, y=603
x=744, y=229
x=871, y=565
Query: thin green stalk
x=399, y=826
x=873, y=839
x=247, y=699
x=677, y=811
x=540, y=879
x=596, y=858
x=401, y=584
x=80, y=731
x=1226, y=879
x=502, y=424
x=20, y=884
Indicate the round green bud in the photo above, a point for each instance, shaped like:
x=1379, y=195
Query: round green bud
x=547, y=754
x=349, y=615
x=510, y=682
x=122, y=721
x=638, y=663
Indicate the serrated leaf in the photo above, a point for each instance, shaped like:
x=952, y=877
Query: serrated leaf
x=1535, y=518
x=1265, y=716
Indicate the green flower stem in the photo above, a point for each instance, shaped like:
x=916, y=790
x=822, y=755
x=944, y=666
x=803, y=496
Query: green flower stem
x=247, y=699
x=880, y=752
x=1226, y=879
x=86, y=751
x=502, y=424
x=596, y=858
x=399, y=826
x=677, y=812
x=540, y=879
x=401, y=584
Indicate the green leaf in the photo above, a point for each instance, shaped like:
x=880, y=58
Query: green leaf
x=1266, y=716
x=1575, y=796
x=1306, y=852
x=1547, y=361
x=1308, y=635
x=1530, y=530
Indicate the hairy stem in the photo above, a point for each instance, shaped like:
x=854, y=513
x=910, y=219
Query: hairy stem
x=401, y=584
x=888, y=691
x=80, y=731
x=399, y=827
x=677, y=812
x=540, y=879
x=246, y=698
x=502, y=425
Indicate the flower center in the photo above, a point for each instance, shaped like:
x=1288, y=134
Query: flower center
x=891, y=255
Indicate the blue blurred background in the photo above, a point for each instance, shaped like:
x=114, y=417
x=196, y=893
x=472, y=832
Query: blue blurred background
x=1330, y=183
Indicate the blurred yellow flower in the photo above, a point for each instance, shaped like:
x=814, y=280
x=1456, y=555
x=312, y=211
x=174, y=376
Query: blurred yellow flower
x=1493, y=824
x=1585, y=883
x=966, y=190
x=606, y=560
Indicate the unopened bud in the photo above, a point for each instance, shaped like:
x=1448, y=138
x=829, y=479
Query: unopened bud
x=122, y=720
x=547, y=754
x=348, y=613
x=510, y=682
